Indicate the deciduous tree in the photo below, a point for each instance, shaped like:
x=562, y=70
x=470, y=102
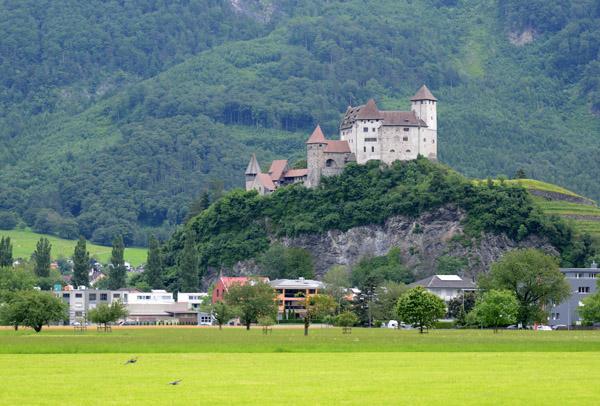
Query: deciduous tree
x=104, y=314
x=420, y=308
x=496, y=307
x=316, y=306
x=223, y=312
x=253, y=299
x=32, y=308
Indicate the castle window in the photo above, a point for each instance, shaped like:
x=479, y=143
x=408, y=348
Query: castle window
x=424, y=140
x=372, y=149
x=405, y=128
x=391, y=150
x=370, y=139
x=373, y=129
x=364, y=149
x=433, y=141
x=405, y=139
x=408, y=150
x=330, y=162
x=366, y=130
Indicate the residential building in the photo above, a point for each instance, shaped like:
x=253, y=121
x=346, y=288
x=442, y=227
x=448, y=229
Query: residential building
x=445, y=286
x=193, y=300
x=290, y=293
x=224, y=283
x=583, y=283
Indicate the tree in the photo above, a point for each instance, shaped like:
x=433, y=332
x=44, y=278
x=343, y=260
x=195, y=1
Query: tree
x=316, y=305
x=337, y=282
x=420, y=308
x=345, y=319
x=385, y=300
x=15, y=279
x=32, y=308
x=6, y=258
x=253, y=299
x=520, y=174
x=42, y=258
x=188, y=264
x=466, y=300
x=496, y=307
x=533, y=277
x=223, y=312
x=153, y=270
x=590, y=309
x=81, y=264
x=116, y=276
x=104, y=314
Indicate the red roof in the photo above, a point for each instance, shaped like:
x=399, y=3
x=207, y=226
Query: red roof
x=337, y=146
x=407, y=118
x=317, y=136
x=369, y=111
x=266, y=181
x=228, y=281
x=278, y=167
x=423, y=94
x=296, y=173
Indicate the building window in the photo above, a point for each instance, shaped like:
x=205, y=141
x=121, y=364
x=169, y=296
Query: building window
x=78, y=295
x=372, y=149
x=330, y=163
x=405, y=139
x=391, y=150
x=364, y=149
x=104, y=296
x=373, y=129
x=579, y=275
x=424, y=140
x=408, y=150
x=312, y=291
x=366, y=130
x=593, y=275
x=279, y=291
x=433, y=141
x=66, y=295
x=370, y=139
x=584, y=289
x=405, y=128
x=116, y=295
x=92, y=296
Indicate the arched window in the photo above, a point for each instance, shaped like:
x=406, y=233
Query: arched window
x=391, y=150
x=330, y=163
x=408, y=150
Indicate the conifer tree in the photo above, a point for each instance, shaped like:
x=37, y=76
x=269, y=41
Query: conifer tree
x=188, y=264
x=117, y=271
x=42, y=258
x=6, y=258
x=81, y=264
x=205, y=200
x=154, y=271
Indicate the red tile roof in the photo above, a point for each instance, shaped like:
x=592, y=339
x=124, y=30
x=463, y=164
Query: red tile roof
x=266, y=181
x=278, y=167
x=369, y=111
x=336, y=146
x=407, y=118
x=228, y=281
x=423, y=94
x=317, y=136
x=296, y=173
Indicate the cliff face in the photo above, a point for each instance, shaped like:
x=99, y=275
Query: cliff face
x=439, y=234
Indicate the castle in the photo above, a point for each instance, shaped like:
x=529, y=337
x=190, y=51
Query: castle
x=366, y=133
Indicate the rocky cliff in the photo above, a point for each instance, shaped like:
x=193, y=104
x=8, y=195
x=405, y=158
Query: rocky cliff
x=422, y=240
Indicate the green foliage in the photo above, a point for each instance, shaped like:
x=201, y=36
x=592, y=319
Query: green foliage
x=104, y=314
x=223, y=312
x=15, y=279
x=590, y=310
x=188, y=266
x=337, y=282
x=421, y=309
x=466, y=302
x=153, y=270
x=8, y=220
x=31, y=308
x=279, y=262
x=496, y=307
x=450, y=265
x=116, y=274
x=81, y=264
x=316, y=306
x=385, y=268
x=533, y=277
x=42, y=258
x=253, y=300
x=6, y=254
x=345, y=319
x=386, y=299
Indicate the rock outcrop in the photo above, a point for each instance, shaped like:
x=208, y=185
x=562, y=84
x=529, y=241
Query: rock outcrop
x=421, y=240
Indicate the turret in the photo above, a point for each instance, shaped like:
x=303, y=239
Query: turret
x=424, y=104
x=252, y=171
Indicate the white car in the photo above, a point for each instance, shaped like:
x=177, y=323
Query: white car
x=544, y=328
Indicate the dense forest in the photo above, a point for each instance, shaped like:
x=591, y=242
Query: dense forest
x=116, y=115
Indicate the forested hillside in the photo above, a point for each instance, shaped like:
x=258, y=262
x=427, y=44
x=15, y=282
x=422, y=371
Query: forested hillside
x=115, y=115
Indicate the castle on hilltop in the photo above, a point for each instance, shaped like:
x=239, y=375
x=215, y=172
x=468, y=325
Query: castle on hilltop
x=366, y=133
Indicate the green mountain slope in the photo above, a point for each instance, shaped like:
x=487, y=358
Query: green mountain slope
x=210, y=85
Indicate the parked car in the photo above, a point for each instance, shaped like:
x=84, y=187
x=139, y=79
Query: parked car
x=544, y=328
x=392, y=324
x=512, y=327
x=127, y=323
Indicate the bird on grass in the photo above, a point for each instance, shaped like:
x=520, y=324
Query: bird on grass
x=131, y=361
x=174, y=382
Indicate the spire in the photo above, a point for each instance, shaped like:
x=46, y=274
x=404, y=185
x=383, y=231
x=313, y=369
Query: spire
x=368, y=111
x=253, y=167
x=317, y=137
x=423, y=94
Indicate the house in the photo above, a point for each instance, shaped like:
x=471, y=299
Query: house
x=583, y=283
x=290, y=293
x=224, y=283
x=193, y=300
x=82, y=300
x=445, y=286
x=280, y=174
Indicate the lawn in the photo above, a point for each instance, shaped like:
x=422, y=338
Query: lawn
x=239, y=367
x=24, y=243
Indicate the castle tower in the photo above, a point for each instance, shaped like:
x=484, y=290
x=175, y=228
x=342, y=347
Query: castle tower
x=252, y=171
x=314, y=155
x=424, y=104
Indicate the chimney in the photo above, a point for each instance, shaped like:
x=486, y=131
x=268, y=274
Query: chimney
x=594, y=265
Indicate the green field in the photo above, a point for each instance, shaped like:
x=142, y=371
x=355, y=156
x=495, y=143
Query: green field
x=539, y=185
x=24, y=244
x=239, y=367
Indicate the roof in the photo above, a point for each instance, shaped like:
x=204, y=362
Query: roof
x=336, y=146
x=444, y=281
x=405, y=118
x=296, y=283
x=253, y=167
x=266, y=181
x=277, y=168
x=423, y=94
x=317, y=136
x=296, y=173
x=369, y=111
x=228, y=281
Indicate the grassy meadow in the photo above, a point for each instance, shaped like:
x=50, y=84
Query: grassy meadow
x=239, y=367
x=24, y=244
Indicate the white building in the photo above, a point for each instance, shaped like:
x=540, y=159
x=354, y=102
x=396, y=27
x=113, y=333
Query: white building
x=446, y=286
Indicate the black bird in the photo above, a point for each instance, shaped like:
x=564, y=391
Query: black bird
x=131, y=361
x=175, y=382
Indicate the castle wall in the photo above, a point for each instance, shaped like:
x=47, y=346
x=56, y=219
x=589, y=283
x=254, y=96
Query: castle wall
x=314, y=163
x=397, y=143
